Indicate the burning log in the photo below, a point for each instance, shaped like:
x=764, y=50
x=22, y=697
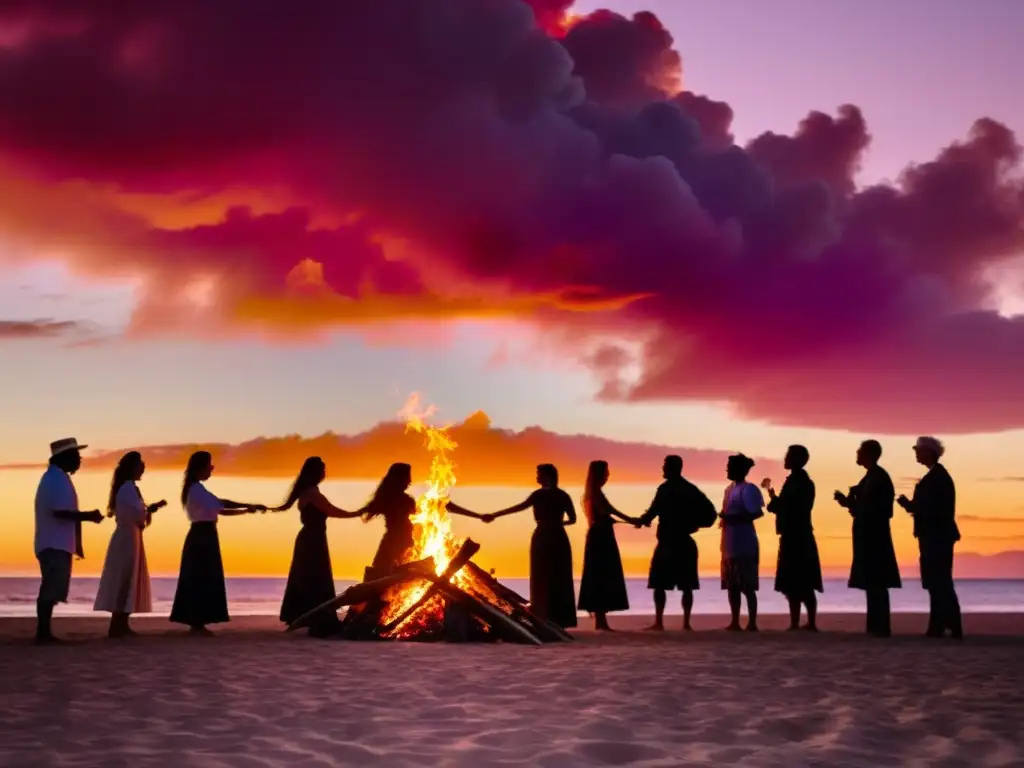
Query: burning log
x=499, y=621
x=499, y=589
x=544, y=629
x=367, y=590
x=469, y=548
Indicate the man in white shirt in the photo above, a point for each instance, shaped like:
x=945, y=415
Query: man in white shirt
x=58, y=530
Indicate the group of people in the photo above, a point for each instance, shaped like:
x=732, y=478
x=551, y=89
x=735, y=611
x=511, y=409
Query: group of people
x=679, y=507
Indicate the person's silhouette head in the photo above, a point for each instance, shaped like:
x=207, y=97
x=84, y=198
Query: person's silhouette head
x=738, y=467
x=597, y=475
x=796, y=457
x=547, y=475
x=198, y=470
x=672, y=467
x=868, y=454
x=130, y=468
x=70, y=461
x=313, y=472
x=928, y=451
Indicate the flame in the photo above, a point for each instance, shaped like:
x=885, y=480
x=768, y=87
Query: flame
x=432, y=536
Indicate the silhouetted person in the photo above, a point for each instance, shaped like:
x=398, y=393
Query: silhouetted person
x=392, y=502
x=125, y=586
x=58, y=531
x=742, y=505
x=201, y=597
x=874, y=568
x=934, y=510
x=603, y=586
x=798, y=571
x=681, y=509
x=552, y=592
x=310, y=577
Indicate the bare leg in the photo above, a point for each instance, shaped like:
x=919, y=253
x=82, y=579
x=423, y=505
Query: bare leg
x=751, y=596
x=687, y=609
x=794, y=612
x=659, y=611
x=811, y=601
x=44, y=615
x=601, y=621
x=734, y=608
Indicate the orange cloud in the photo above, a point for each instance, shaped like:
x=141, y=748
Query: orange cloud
x=486, y=455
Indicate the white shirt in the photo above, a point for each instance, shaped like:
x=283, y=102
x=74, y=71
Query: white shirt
x=56, y=492
x=741, y=540
x=129, y=509
x=201, y=506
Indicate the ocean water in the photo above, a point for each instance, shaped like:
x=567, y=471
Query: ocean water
x=262, y=596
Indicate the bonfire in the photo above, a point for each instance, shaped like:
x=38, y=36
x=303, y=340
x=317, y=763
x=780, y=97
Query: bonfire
x=437, y=592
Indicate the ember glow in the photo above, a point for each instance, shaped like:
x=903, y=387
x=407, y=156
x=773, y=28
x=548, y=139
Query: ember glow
x=432, y=536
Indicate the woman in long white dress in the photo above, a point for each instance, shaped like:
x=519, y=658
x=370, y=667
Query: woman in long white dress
x=125, y=586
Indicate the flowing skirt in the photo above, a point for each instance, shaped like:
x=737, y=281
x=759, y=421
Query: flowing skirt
x=603, y=587
x=798, y=569
x=201, y=597
x=740, y=573
x=310, y=581
x=125, y=585
x=552, y=592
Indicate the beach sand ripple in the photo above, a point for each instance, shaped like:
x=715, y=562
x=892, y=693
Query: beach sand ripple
x=254, y=698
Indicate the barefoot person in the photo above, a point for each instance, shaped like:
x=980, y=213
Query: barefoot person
x=124, y=586
x=874, y=568
x=681, y=510
x=58, y=536
x=798, y=570
x=311, y=578
x=201, y=596
x=603, y=586
x=552, y=592
x=742, y=505
x=934, y=511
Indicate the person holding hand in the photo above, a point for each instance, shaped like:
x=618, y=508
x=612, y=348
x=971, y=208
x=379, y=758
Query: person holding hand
x=603, y=586
x=125, y=584
x=201, y=596
x=58, y=535
x=552, y=592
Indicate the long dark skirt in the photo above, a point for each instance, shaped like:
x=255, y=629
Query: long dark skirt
x=798, y=569
x=310, y=581
x=201, y=597
x=552, y=592
x=603, y=587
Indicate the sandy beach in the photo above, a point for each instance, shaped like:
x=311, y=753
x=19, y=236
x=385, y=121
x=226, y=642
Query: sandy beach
x=255, y=697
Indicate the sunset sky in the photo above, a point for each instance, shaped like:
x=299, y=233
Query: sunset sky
x=220, y=222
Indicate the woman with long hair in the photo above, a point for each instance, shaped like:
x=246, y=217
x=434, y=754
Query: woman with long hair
x=201, y=596
x=392, y=501
x=124, y=585
x=552, y=592
x=741, y=506
x=311, y=578
x=603, y=586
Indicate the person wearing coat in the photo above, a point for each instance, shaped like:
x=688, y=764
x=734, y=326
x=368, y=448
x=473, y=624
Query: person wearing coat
x=874, y=568
x=933, y=508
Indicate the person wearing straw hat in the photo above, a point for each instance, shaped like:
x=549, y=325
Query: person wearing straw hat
x=58, y=535
x=933, y=508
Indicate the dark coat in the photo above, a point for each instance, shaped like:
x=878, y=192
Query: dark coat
x=874, y=557
x=934, y=509
x=798, y=570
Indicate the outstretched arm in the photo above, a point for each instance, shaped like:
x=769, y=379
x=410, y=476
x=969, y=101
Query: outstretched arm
x=321, y=502
x=455, y=509
x=653, y=511
x=524, y=505
x=615, y=513
x=228, y=505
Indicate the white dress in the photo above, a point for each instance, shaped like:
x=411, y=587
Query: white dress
x=124, y=585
